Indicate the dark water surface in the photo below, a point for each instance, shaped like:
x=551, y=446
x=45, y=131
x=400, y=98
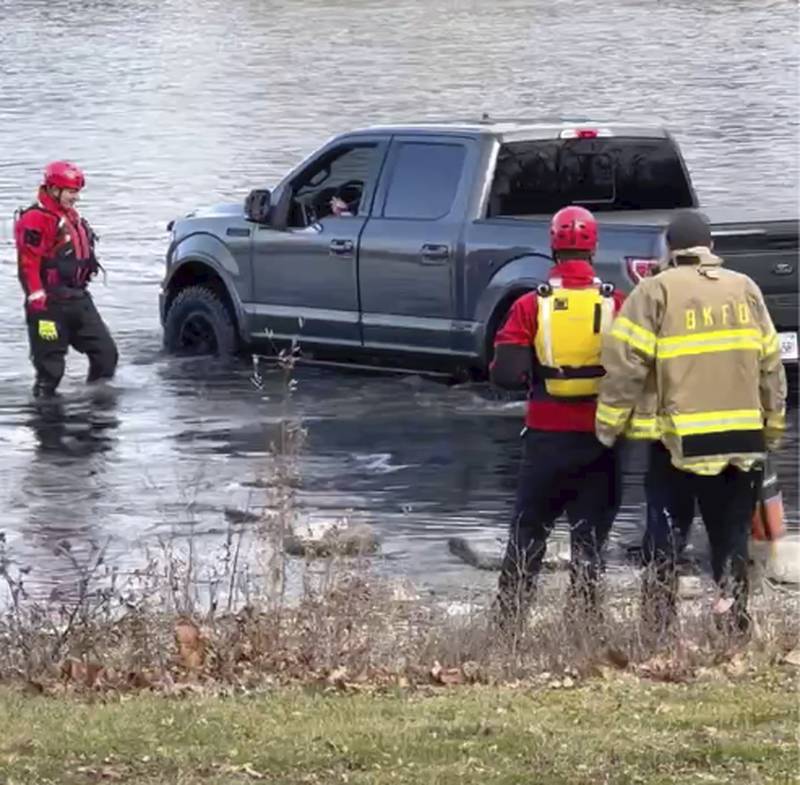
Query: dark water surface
x=170, y=105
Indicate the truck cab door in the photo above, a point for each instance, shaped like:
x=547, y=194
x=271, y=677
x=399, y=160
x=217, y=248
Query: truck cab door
x=411, y=251
x=305, y=277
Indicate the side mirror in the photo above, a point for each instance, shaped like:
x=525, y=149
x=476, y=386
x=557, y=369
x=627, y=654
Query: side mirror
x=257, y=206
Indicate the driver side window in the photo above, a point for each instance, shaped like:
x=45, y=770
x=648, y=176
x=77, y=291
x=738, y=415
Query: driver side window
x=333, y=185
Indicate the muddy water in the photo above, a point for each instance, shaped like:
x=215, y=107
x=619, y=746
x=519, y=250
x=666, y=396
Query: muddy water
x=170, y=105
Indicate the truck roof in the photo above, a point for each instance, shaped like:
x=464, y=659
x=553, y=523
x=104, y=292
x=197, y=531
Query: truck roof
x=515, y=129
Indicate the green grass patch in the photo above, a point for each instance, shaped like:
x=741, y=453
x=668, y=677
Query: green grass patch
x=623, y=730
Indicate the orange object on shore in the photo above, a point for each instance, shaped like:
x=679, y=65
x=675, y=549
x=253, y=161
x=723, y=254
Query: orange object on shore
x=768, y=522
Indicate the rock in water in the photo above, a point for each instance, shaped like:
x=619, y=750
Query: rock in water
x=690, y=587
x=486, y=557
x=241, y=516
x=356, y=540
x=779, y=560
x=473, y=555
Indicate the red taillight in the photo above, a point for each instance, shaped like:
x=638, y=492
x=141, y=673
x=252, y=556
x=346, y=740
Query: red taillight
x=584, y=133
x=640, y=268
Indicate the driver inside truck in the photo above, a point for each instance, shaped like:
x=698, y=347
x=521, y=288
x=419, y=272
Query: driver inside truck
x=344, y=204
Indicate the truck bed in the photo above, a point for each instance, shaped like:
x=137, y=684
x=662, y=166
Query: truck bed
x=766, y=250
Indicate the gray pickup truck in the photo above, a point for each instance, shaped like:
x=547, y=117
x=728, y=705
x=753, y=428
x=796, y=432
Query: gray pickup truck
x=404, y=246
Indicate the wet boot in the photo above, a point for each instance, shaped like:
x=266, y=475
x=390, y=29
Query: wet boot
x=43, y=390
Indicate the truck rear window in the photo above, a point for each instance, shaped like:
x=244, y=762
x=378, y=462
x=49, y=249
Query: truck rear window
x=606, y=173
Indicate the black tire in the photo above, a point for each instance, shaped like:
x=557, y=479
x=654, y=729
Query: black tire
x=198, y=323
x=496, y=321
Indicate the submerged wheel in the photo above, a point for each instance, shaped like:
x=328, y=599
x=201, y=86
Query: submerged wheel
x=198, y=323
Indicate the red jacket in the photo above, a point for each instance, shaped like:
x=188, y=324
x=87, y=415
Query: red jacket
x=551, y=414
x=55, y=247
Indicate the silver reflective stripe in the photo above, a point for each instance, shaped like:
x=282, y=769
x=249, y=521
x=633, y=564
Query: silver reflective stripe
x=606, y=314
x=546, y=311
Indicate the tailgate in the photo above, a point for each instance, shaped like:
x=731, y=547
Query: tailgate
x=766, y=252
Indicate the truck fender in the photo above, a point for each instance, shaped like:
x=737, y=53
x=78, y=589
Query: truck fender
x=199, y=257
x=204, y=247
x=516, y=277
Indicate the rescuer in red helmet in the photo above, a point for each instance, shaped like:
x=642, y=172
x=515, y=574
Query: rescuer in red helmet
x=550, y=345
x=56, y=260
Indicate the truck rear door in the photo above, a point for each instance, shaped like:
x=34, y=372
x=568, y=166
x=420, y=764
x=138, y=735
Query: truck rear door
x=411, y=247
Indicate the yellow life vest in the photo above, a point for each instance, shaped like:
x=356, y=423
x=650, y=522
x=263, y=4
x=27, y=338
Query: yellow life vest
x=569, y=328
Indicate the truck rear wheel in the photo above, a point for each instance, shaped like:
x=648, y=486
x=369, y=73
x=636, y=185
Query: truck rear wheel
x=199, y=323
x=494, y=324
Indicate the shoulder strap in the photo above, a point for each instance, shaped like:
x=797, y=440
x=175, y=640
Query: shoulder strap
x=545, y=324
x=39, y=208
x=91, y=234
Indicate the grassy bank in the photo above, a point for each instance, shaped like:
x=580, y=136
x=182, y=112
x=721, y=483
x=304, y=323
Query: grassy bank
x=618, y=730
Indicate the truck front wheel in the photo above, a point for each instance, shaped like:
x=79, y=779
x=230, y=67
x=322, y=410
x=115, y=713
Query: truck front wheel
x=199, y=323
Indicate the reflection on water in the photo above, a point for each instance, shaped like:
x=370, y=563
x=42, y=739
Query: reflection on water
x=419, y=460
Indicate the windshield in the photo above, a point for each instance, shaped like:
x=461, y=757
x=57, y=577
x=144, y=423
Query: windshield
x=615, y=173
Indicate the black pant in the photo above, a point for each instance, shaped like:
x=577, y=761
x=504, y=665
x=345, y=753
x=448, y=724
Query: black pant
x=668, y=520
x=70, y=322
x=560, y=472
x=726, y=504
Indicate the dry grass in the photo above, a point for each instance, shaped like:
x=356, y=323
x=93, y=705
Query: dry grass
x=349, y=628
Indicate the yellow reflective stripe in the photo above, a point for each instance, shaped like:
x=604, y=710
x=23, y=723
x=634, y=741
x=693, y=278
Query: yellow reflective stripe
x=631, y=333
x=673, y=340
x=706, y=343
x=546, y=311
x=704, y=465
x=771, y=345
x=712, y=422
x=776, y=421
x=611, y=415
x=642, y=428
x=716, y=464
x=721, y=413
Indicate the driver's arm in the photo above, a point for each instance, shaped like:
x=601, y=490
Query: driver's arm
x=340, y=208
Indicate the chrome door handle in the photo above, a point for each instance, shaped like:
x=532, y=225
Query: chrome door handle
x=433, y=253
x=341, y=247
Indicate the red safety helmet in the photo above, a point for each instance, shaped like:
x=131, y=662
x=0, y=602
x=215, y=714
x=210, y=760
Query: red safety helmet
x=63, y=174
x=573, y=229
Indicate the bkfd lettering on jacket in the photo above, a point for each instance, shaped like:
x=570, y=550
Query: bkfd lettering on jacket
x=570, y=326
x=736, y=314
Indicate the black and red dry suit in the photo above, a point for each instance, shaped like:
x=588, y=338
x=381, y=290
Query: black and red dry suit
x=56, y=260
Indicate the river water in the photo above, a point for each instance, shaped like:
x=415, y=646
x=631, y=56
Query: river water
x=171, y=105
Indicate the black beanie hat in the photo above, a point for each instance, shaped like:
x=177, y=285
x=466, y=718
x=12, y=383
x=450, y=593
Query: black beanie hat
x=688, y=229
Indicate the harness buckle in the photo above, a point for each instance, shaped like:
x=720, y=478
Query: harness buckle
x=607, y=289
